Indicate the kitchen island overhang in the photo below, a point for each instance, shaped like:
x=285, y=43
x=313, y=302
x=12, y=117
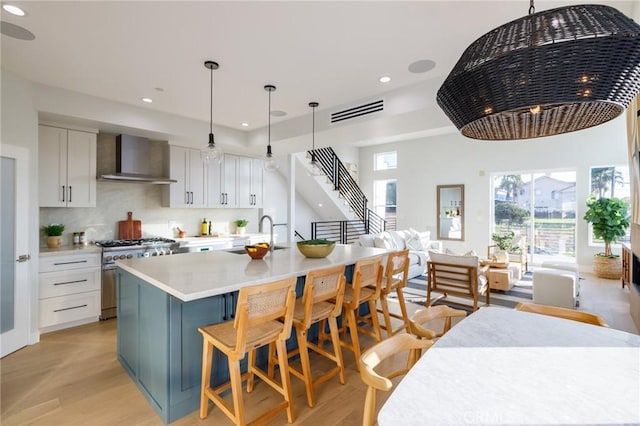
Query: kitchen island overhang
x=163, y=300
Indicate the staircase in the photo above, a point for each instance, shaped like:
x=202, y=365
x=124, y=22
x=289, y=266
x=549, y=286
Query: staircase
x=366, y=220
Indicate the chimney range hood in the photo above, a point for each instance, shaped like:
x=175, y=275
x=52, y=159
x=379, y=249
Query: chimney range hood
x=132, y=162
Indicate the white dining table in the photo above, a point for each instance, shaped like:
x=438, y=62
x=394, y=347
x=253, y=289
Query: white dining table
x=505, y=367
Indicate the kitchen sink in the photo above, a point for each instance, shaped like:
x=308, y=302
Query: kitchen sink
x=242, y=251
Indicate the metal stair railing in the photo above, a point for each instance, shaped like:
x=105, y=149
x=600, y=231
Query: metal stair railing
x=342, y=181
x=345, y=231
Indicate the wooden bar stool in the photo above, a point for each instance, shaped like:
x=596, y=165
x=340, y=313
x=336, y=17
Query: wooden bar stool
x=395, y=279
x=321, y=301
x=256, y=324
x=365, y=288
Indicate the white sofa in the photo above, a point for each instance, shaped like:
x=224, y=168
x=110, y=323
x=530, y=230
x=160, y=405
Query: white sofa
x=418, y=243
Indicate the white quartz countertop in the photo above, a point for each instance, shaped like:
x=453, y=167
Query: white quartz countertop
x=505, y=367
x=64, y=250
x=193, y=276
x=215, y=239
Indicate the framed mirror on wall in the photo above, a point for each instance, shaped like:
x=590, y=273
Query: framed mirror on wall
x=450, y=212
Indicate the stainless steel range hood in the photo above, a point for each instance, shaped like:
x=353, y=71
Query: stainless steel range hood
x=132, y=162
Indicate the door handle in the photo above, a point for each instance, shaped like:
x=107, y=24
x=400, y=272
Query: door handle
x=69, y=193
x=23, y=258
x=64, y=192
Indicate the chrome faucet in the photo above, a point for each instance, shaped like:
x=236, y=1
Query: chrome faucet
x=271, y=230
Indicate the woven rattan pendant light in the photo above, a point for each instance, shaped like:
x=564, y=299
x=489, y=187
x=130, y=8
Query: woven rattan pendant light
x=548, y=73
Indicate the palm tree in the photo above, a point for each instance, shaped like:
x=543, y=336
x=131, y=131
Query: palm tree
x=603, y=178
x=511, y=184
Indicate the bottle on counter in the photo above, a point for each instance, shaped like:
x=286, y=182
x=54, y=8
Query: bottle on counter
x=209, y=227
x=83, y=238
x=76, y=238
x=204, y=228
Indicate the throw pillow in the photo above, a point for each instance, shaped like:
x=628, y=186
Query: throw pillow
x=398, y=239
x=384, y=240
x=414, y=242
x=425, y=238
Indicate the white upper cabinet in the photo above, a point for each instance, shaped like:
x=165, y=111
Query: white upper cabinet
x=223, y=182
x=236, y=182
x=250, y=182
x=67, y=167
x=187, y=168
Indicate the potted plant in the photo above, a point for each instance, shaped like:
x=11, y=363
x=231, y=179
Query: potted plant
x=241, y=225
x=609, y=219
x=504, y=242
x=53, y=233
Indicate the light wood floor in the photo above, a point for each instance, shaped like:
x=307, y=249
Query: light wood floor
x=72, y=377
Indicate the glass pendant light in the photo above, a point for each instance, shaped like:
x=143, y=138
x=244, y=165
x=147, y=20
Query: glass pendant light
x=211, y=152
x=316, y=167
x=269, y=163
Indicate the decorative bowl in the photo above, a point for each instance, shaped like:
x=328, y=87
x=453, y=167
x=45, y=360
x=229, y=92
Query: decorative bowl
x=257, y=251
x=316, y=248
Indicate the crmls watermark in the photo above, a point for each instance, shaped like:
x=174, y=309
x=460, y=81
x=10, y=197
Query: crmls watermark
x=491, y=417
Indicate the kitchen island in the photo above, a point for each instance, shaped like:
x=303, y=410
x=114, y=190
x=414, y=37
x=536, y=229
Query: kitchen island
x=163, y=300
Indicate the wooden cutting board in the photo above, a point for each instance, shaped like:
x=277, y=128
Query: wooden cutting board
x=128, y=229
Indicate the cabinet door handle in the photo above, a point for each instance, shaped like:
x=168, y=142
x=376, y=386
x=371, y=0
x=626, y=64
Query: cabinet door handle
x=69, y=263
x=226, y=198
x=64, y=192
x=192, y=198
x=71, y=282
x=69, y=193
x=221, y=198
x=186, y=197
x=73, y=307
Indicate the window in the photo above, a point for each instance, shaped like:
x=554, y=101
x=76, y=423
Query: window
x=385, y=160
x=384, y=201
x=611, y=181
x=540, y=206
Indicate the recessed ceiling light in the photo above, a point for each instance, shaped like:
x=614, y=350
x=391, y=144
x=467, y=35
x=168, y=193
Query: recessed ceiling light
x=159, y=89
x=147, y=100
x=384, y=79
x=244, y=124
x=277, y=113
x=14, y=10
x=421, y=66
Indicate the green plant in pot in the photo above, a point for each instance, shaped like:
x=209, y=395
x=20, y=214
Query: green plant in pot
x=241, y=225
x=609, y=219
x=504, y=242
x=53, y=233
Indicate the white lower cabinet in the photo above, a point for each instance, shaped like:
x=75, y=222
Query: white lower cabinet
x=69, y=290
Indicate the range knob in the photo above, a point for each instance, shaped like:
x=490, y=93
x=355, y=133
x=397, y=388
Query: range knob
x=108, y=258
x=129, y=256
x=122, y=256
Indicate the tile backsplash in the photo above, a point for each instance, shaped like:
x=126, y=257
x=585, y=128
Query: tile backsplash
x=115, y=199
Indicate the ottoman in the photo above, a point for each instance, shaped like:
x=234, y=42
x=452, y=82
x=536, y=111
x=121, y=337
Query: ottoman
x=555, y=287
x=564, y=266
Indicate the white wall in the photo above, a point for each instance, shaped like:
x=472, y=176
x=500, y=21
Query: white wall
x=453, y=159
x=20, y=127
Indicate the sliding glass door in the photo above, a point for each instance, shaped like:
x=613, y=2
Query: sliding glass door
x=538, y=206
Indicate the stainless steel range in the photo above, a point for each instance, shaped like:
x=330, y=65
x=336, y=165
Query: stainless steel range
x=113, y=250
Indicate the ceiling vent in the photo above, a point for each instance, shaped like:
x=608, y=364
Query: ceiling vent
x=357, y=111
